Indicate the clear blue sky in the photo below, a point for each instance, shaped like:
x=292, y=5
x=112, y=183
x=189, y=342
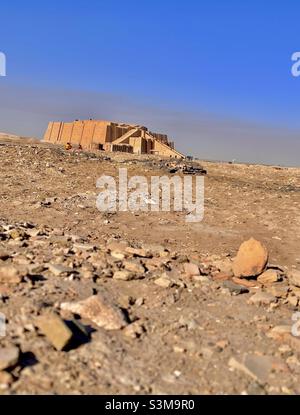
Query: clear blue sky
x=217, y=62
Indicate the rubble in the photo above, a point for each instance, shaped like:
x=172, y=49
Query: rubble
x=168, y=285
x=294, y=278
x=6, y=379
x=191, y=269
x=186, y=167
x=9, y=357
x=262, y=297
x=11, y=275
x=163, y=282
x=123, y=275
x=100, y=310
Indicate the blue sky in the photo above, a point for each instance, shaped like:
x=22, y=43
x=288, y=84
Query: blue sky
x=213, y=74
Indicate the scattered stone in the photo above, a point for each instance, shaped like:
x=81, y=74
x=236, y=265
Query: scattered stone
x=244, y=282
x=117, y=246
x=134, y=267
x=235, y=288
x=224, y=266
x=17, y=234
x=221, y=276
x=59, y=270
x=83, y=247
x=279, y=332
x=201, y=279
x=123, y=275
x=11, y=275
x=4, y=255
x=262, y=297
x=179, y=349
x=293, y=300
x=55, y=329
x=294, y=277
x=139, y=252
x=6, y=379
x=251, y=259
x=222, y=344
x=191, y=269
x=9, y=357
x=87, y=274
x=139, y=301
x=268, y=277
x=295, y=291
x=134, y=330
x=294, y=342
x=117, y=255
x=163, y=282
x=279, y=291
x=99, y=310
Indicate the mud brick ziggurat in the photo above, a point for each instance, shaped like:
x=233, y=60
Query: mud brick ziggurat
x=111, y=136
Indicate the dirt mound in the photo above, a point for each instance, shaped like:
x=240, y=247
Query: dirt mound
x=5, y=137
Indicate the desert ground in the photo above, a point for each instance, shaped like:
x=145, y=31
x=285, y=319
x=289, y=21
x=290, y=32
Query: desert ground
x=144, y=302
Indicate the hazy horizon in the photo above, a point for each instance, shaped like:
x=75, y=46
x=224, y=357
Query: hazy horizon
x=202, y=75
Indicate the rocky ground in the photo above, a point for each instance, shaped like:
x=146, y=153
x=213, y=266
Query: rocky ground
x=145, y=303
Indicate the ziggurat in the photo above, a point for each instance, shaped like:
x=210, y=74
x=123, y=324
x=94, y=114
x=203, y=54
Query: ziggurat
x=111, y=136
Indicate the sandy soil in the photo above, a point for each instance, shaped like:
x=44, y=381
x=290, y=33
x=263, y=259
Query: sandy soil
x=185, y=334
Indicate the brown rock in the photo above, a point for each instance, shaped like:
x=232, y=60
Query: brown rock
x=123, y=275
x=134, y=266
x=251, y=259
x=224, y=266
x=279, y=332
x=134, y=330
x=117, y=246
x=139, y=252
x=191, y=269
x=294, y=278
x=296, y=291
x=293, y=300
x=59, y=270
x=245, y=283
x=117, y=255
x=11, y=275
x=99, y=310
x=55, y=329
x=221, y=276
x=9, y=357
x=234, y=288
x=6, y=380
x=279, y=291
x=262, y=298
x=268, y=277
x=163, y=282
